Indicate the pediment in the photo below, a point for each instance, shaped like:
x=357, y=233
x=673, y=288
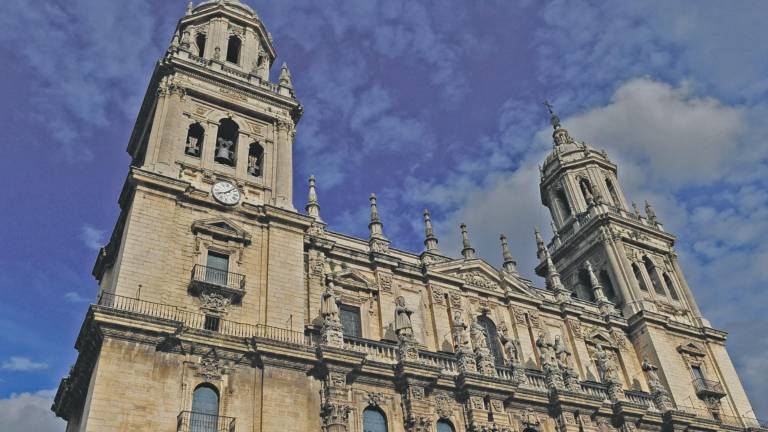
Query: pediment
x=601, y=338
x=349, y=278
x=691, y=348
x=479, y=274
x=221, y=227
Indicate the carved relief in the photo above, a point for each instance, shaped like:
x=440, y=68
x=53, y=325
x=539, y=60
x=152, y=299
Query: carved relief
x=438, y=294
x=375, y=399
x=575, y=326
x=455, y=299
x=385, y=283
x=215, y=302
x=477, y=279
x=444, y=404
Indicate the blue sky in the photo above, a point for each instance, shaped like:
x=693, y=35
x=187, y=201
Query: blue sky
x=427, y=103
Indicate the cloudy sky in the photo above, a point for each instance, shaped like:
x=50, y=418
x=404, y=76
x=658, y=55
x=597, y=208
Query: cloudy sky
x=427, y=103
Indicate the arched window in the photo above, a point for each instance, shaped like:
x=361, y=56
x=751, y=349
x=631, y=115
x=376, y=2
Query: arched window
x=226, y=142
x=639, y=277
x=233, y=49
x=671, y=287
x=585, y=291
x=200, y=42
x=562, y=199
x=492, y=339
x=612, y=192
x=605, y=281
x=374, y=420
x=255, y=159
x=444, y=426
x=649, y=267
x=194, y=144
x=205, y=409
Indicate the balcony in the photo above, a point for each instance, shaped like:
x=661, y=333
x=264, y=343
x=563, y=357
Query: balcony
x=708, y=389
x=189, y=421
x=209, y=279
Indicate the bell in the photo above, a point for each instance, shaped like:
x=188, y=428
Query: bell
x=223, y=152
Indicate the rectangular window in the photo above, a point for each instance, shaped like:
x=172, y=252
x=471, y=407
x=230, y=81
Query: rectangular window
x=211, y=323
x=350, y=321
x=697, y=372
x=217, y=268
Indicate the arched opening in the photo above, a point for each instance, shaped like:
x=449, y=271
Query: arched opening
x=492, y=339
x=562, y=203
x=585, y=286
x=374, y=420
x=233, y=49
x=255, y=159
x=639, y=277
x=605, y=281
x=671, y=287
x=205, y=409
x=612, y=192
x=445, y=426
x=650, y=267
x=200, y=42
x=226, y=142
x=194, y=144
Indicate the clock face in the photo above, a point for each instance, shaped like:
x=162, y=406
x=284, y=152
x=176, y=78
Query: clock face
x=226, y=193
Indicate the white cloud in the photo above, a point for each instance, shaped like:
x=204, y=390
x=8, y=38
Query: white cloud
x=92, y=237
x=74, y=297
x=26, y=412
x=22, y=364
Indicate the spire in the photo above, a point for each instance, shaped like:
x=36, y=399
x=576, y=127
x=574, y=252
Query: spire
x=560, y=135
x=541, y=249
x=312, y=207
x=376, y=228
x=430, y=241
x=509, y=264
x=605, y=305
x=285, y=76
x=467, y=251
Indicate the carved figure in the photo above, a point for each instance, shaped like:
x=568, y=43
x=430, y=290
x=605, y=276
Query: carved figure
x=460, y=338
x=403, y=323
x=512, y=348
x=329, y=309
x=477, y=332
x=546, y=350
x=606, y=366
x=561, y=353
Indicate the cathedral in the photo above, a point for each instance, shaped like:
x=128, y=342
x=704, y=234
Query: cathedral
x=222, y=308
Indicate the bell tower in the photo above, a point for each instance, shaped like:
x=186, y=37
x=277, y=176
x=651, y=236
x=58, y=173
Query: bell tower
x=633, y=255
x=211, y=112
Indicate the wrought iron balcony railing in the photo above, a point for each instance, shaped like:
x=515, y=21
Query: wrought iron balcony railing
x=206, y=278
x=708, y=388
x=189, y=421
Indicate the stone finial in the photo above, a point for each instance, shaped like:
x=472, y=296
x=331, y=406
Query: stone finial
x=285, y=76
x=430, y=241
x=594, y=283
x=509, y=265
x=312, y=207
x=562, y=294
x=634, y=207
x=189, y=8
x=540, y=247
x=377, y=240
x=467, y=252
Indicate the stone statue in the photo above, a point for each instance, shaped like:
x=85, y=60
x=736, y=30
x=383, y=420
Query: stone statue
x=223, y=150
x=562, y=354
x=185, y=39
x=460, y=338
x=329, y=308
x=478, y=336
x=650, y=370
x=546, y=350
x=217, y=53
x=606, y=366
x=512, y=348
x=403, y=325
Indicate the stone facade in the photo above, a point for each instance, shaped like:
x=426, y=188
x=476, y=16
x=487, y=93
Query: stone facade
x=212, y=280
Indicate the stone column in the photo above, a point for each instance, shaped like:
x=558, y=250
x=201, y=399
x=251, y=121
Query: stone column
x=284, y=176
x=209, y=145
x=687, y=291
x=170, y=145
x=612, y=250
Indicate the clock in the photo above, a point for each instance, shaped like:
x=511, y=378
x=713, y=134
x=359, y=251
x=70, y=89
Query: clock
x=226, y=193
